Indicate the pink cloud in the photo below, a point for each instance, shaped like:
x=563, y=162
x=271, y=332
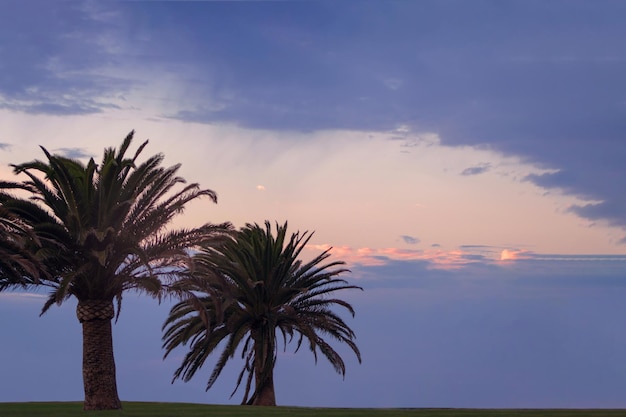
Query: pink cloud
x=438, y=258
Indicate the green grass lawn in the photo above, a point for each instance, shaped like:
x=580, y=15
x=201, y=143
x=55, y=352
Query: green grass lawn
x=137, y=409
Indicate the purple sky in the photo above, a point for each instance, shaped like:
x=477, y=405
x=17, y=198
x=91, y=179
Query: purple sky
x=465, y=158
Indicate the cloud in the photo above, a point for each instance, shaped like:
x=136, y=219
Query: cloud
x=260, y=187
x=56, y=66
x=522, y=96
x=56, y=102
x=554, y=102
x=610, y=210
x=475, y=170
x=75, y=153
x=476, y=261
x=5, y=146
x=409, y=239
x=393, y=83
x=606, y=259
x=512, y=254
x=22, y=297
x=522, y=270
x=526, y=255
x=434, y=258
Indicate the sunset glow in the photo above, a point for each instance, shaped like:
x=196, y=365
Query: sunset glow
x=465, y=159
x=508, y=255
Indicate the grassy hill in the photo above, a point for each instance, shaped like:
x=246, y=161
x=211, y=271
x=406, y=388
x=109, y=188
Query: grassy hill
x=139, y=409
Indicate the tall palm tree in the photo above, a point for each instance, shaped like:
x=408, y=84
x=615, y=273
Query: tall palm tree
x=103, y=230
x=245, y=292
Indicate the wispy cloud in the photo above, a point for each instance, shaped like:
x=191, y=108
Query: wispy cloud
x=75, y=153
x=21, y=296
x=53, y=104
x=393, y=83
x=521, y=255
x=56, y=66
x=468, y=256
x=476, y=170
x=571, y=258
x=409, y=239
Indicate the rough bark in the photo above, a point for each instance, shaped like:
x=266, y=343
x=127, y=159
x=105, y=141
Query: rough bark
x=263, y=368
x=266, y=394
x=98, y=361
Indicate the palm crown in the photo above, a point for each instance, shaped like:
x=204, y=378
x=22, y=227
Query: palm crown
x=246, y=291
x=104, y=226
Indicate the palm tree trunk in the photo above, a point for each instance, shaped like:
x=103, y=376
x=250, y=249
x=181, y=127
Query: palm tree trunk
x=266, y=394
x=98, y=361
x=263, y=368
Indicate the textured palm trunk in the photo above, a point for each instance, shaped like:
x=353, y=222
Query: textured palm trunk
x=263, y=369
x=266, y=394
x=98, y=361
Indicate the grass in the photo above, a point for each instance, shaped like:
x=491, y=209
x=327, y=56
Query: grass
x=139, y=409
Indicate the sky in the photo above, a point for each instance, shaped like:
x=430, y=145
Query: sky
x=466, y=159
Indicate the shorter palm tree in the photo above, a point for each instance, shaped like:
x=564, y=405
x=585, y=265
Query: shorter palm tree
x=247, y=290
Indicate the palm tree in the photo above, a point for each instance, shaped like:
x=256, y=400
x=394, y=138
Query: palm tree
x=245, y=291
x=103, y=231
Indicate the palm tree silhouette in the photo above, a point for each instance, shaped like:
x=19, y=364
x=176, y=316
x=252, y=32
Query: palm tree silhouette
x=245, y=292
x=103, y=231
